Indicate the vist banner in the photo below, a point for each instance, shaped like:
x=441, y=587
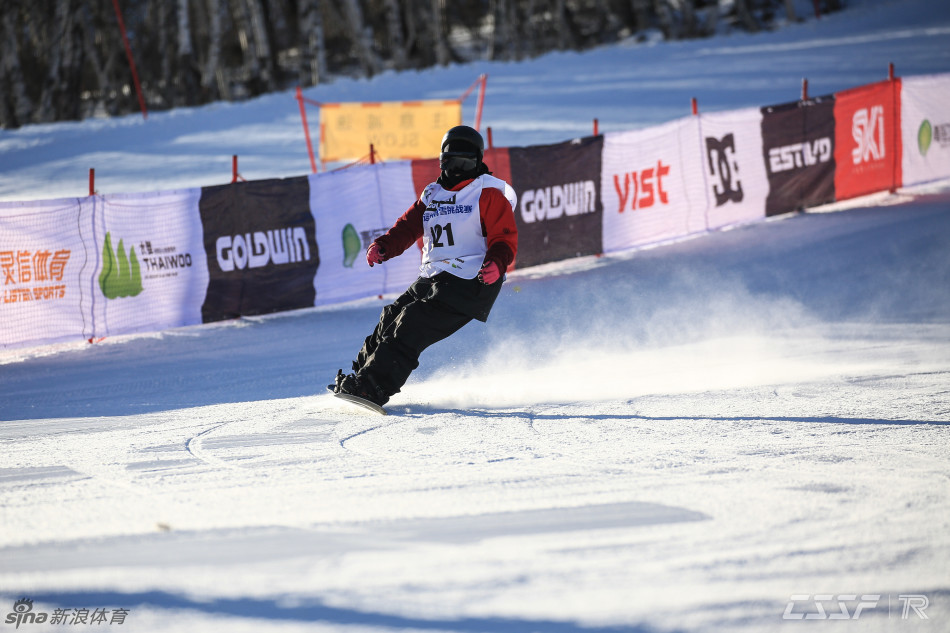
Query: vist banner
x=736, y=181
x=925, y=126
x=151, y=271
x=559, y=211
x=47, y=261
x=653, y=185
x=354, y=206
x=867, y=139
x=798, y=144
x=261, y=247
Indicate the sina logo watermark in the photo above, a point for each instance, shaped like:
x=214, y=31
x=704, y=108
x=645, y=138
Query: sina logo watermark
x=23, y=613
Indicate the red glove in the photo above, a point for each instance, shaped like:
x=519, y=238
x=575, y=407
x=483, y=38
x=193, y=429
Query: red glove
x=489, y=273
x=375, y=254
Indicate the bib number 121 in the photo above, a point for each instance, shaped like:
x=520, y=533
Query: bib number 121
x=439, y=231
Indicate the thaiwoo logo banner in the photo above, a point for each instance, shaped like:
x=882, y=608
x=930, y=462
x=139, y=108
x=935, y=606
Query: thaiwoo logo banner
x=925, y=128
x=261, y=248
x=798, y=143
x=47, y=260
x=354, y=206
x=652, y=184
x=736, y=182
x=151, y=271
x=559, y=210
x=867, y=143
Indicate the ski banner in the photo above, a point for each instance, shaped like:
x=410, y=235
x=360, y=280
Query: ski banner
x=47, y=259
x=559, y=210
x=261, y=248
x=353, y=206
x=652, y=184
x=736, y=182
x=397, y=130
x=151, y=270
x=925, y=128
x=798, y=145
x=867, y=139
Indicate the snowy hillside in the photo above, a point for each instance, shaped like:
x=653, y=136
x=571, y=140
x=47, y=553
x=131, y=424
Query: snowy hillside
x=745, y=431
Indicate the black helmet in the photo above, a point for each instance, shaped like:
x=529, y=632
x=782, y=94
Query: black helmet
x=462, y=149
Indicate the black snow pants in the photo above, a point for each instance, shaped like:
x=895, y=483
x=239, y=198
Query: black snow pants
x=430, y=310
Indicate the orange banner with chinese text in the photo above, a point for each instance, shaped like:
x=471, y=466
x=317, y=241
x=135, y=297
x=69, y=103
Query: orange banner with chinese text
x=397, y=130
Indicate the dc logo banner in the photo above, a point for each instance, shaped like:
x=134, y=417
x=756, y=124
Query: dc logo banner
x=723, y=169
x=735, y=177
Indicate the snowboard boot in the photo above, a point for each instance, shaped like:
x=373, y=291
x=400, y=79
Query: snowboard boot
x=362, y=387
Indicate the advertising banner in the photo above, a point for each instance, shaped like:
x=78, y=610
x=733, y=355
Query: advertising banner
x=559, y=210
x=867, y=139
x=47, y=259
x=261, y=247
x=353, y=207
x=736, y=182
x=798, y=145
x=925, y=128
x=151, y=270
x=652, y=184
x=398, y=130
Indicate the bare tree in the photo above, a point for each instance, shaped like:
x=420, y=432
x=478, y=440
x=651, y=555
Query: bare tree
x=438, y=31
x=21, y=108
x=60, y=98
x=359, y=36
x=397, y=45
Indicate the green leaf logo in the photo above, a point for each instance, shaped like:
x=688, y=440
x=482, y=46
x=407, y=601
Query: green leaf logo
x=351, y=245
x=925, y=136
x=121, y=275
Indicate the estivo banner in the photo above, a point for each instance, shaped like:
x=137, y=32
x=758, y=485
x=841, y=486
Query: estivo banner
x=798, y=145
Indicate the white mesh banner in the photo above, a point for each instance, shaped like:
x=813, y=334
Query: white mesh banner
x=151, y=272
x=736, y=182
x=351, y=208
x=925, y=128
x=47, y=261
x=652, y=184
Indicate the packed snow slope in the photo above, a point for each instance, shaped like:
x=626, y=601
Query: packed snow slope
x=702, y=436
x=546, y=100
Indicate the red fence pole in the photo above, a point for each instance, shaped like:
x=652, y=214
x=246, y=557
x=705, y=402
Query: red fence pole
x=804, y=90
x=890, y=71
x=128, y=54
x=695, y=106
x=372, y=154
x=306, y=129
x=92, y=181
x=595, y=127
x=234, y=171
x=481, y=102
x=488, y=131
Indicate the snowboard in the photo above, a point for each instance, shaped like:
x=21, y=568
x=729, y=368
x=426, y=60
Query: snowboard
x=360, y=402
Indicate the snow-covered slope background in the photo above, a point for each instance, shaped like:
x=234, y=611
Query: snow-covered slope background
x=712, y=435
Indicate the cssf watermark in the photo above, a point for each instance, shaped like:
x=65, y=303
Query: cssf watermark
x=23, y=614
x=854, y=606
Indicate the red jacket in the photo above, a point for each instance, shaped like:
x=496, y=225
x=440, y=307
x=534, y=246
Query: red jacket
x=498, y=227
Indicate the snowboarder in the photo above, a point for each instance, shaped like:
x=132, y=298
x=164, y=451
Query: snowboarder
x=469, y=238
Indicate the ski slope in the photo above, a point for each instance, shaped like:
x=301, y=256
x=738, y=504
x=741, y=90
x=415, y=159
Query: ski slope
x=708, y=435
